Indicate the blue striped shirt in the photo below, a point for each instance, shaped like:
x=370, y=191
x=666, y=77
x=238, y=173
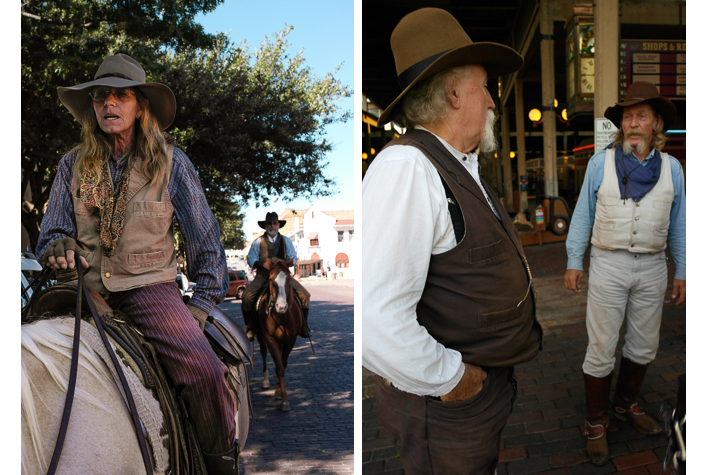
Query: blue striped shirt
x=582, y=223
x=207, y=264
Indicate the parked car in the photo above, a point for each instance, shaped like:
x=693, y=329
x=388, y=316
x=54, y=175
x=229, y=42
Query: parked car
x=187, y=288
x=237, y=284
x=29, y=268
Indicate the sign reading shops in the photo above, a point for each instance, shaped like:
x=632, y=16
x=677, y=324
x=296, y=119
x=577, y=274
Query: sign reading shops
x=660, y=62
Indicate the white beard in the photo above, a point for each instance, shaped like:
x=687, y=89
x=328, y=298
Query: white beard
x=272, y=232
x=488, y=141
x=627, y=148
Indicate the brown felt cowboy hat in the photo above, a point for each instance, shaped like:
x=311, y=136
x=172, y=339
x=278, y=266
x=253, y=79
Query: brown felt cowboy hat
x=271, y=217
x=430, y=40
x=642, y=91
x=121, y=71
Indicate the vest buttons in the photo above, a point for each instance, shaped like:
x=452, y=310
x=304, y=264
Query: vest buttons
x=632, y=245
x=636, y=218
x=637, y=205
x=108, y=274
x=635, y=232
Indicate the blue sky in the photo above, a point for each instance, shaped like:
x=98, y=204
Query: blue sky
x=324, y=31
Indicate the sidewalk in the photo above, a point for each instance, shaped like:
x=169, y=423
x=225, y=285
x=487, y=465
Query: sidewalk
x=544, y=433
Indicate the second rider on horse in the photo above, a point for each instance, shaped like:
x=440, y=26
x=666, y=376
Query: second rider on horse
x=274, y=246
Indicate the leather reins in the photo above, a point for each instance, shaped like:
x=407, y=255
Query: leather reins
x=82, y=289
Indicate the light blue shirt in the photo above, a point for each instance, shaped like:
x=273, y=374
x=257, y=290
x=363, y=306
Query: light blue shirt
x=583, y=218
x=253, y=255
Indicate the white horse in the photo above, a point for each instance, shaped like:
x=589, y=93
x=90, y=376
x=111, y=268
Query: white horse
x=100, y=436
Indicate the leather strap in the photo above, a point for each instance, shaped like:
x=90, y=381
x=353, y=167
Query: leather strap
x=71, y=385
x=124, y=383
x=82, y=288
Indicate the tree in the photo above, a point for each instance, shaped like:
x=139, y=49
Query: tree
x=251, y=124
x=254, y=125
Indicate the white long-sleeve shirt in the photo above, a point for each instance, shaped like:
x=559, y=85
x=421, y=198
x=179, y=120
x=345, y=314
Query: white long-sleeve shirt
x=406, y=220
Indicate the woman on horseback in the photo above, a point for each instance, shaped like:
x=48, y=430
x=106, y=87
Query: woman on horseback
x=112, y=207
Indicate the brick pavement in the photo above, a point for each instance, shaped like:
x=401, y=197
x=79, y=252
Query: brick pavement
x=544, y=433
x=316, y=436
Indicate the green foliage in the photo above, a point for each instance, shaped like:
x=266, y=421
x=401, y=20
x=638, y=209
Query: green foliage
x=252, y=123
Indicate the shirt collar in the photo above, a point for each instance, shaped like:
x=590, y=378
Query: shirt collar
x=470, y=158
x=650, y=155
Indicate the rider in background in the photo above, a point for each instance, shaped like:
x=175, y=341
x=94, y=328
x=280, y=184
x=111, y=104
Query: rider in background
x=275, y=246
x=112, y=207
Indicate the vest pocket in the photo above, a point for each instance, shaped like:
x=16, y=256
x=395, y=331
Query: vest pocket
x=662, y=205
x=487, y=254
x=149, y=208
x=145, y=260
x=501, y=319
x=604, y=224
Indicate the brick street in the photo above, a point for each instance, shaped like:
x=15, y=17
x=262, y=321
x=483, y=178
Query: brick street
x=316, y=436
x=544, y=433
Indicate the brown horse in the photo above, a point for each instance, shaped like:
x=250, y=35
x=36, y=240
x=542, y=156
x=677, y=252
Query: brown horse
x=280, y=322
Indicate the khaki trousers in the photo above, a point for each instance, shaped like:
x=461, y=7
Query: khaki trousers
x=622, y=284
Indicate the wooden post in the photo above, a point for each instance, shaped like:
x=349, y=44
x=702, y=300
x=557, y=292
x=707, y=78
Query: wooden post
x=606, y=55
x=520, y=133
x=505, y=158
x=549, y=127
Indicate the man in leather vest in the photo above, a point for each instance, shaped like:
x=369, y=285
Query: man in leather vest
x=632, y=201
x=276, y=247
x=448, y=305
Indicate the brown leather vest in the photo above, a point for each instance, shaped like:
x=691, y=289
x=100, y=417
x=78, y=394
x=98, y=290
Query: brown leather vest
x=268, y=249
x=145, y=252
x=478, y=298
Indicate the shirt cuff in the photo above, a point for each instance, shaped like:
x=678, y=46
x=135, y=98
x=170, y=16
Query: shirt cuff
x=202, y=303
x=575, y=263
x=448, y=387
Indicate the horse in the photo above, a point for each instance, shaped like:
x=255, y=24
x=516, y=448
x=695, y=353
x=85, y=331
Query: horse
x=280, y=321
x=100, y=437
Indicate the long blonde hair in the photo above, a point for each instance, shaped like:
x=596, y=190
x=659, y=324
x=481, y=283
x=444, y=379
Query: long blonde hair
x=148, y=143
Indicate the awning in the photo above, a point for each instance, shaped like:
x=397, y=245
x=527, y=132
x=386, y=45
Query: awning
x=313, y=236
x=309, y=261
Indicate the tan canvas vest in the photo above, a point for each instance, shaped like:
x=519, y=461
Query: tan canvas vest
x=624, y=224
x=478, y=297
x=145, y=252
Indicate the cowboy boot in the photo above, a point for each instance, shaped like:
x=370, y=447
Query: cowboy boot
x=628, y=386
x=305, y=331
x=226, y=463
x=248, y=326
x=597, y=393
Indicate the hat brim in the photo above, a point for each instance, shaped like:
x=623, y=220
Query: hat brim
x=662, y=105
x=496, y=59
x=262, y=224
x=160, y=97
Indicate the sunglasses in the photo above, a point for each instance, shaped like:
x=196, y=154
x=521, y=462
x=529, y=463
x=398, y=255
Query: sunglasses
x=100, y=94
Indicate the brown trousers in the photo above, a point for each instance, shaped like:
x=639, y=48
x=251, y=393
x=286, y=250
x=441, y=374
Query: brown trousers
x=452, y=438
x=260, y=281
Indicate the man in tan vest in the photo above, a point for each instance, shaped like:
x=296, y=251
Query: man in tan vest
x=276, y=247
x=632, y=201
x=448, y=306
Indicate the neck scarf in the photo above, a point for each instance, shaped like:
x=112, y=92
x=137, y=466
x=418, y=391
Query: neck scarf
x=108, y=206
x=636, y=180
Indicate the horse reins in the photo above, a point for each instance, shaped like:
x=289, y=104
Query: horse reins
x=82, y=289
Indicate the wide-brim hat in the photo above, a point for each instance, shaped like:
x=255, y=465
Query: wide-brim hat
x=271, y=217
x=642, y=91
x=430, y=40
x=121, y=71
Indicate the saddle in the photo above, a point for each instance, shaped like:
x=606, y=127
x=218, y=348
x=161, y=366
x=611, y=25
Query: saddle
x=226, y=338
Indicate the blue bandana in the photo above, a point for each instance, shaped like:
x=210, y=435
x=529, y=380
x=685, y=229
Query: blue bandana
x=636, y=180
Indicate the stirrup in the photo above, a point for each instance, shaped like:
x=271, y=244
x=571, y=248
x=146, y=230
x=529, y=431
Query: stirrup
x=226, y=463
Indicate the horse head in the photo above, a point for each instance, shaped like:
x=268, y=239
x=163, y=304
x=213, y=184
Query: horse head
x=280, y=284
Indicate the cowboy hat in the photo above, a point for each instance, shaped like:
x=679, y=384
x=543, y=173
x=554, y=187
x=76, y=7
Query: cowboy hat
x=121, y=71
x=429, y=41
x=271, y=217
x=642, y=91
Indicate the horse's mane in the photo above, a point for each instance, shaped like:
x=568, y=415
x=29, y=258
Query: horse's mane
x=55, y=335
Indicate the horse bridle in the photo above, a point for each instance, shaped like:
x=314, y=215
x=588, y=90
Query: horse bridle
x=82, y=289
